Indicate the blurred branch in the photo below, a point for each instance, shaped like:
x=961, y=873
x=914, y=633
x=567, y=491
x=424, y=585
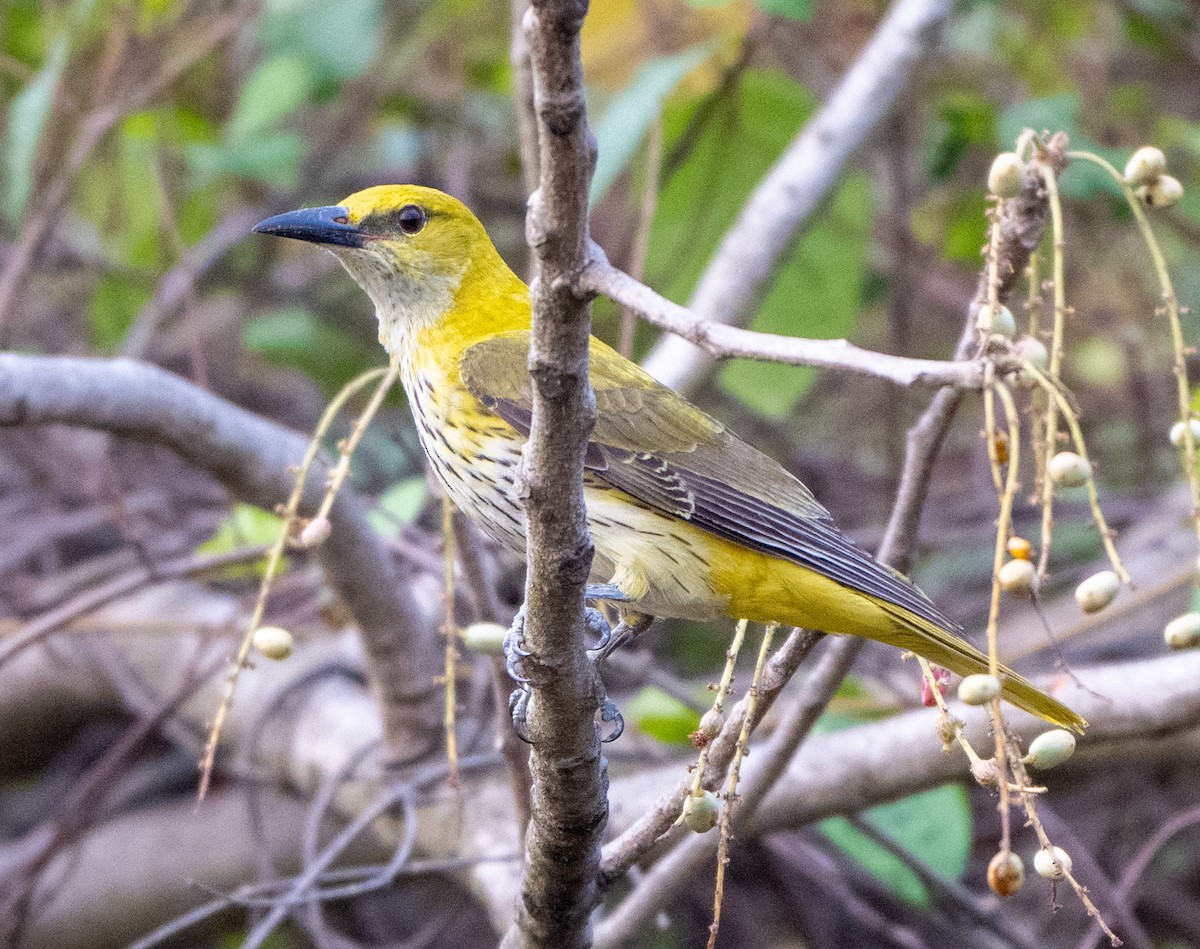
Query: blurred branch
x=801, y=179
x=857, y=768
x=158, y=850
x=570, y=783
x=94, y=597
x=1143, y=711
x=527, y=129
x=854, y=769
x=1141, y=861
x=253, y=458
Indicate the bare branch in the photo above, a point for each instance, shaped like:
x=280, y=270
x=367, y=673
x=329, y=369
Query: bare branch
x=723, y=341
x=570, y=782
x=254, y=459
x=794, y=188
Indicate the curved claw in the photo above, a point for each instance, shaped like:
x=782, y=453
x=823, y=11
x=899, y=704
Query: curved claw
x=597, y=626
x=611, y=715
x=518, y=706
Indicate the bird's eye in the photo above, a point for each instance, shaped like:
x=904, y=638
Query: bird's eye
x=411, y=219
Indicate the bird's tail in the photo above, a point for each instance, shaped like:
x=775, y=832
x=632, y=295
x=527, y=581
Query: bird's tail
x=943, y=647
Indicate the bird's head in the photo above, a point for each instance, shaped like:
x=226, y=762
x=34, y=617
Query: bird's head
x=413, y=249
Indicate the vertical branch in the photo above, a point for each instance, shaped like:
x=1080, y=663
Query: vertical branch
x=570, y=783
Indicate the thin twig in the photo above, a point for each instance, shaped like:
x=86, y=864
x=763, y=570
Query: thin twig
x=599, y=276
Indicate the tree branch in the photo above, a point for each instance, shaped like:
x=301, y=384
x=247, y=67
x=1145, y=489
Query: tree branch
x=570, y=782
x=722, y=341
x=254, y=459
x=803, y=177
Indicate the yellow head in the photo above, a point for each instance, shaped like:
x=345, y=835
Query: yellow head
x=420, y=254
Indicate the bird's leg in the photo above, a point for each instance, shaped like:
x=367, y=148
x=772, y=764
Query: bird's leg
x=597, y=623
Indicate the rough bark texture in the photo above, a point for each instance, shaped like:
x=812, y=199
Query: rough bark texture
x=570, y=783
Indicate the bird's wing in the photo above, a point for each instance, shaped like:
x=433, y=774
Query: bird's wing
x=656, y=446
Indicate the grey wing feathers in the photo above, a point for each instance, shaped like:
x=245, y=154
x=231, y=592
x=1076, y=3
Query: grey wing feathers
x=662, y=450
x=724, y=509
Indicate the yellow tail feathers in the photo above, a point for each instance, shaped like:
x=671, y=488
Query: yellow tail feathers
x=946, y=649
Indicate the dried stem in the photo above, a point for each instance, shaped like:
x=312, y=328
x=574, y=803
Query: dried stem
x=1034, y=821
x=743, y=744
x=1049, y=177
x=274, y=557
x=718, y=706
x=1171, y=306
x=1063, y=404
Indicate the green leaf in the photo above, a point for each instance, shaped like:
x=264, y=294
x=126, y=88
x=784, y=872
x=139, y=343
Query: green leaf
x=274, y=91
x=934, y=826
x=399, y=504
x=246, y=526
x=634, y=110
x=660, y=716
x=27, y=115
x=818, y=288
x=273, y=159
x=116, y=301
x=29, y=111
x=792, y=9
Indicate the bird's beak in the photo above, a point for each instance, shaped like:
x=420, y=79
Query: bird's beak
x=318, y=225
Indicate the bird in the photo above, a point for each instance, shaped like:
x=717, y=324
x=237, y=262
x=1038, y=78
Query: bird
x=687, y=520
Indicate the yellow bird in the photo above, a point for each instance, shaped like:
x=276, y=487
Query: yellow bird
x=687, y=520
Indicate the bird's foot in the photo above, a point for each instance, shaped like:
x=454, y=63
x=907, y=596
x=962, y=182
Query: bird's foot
x=514, y=648
x=609, y=720
x=514, y=653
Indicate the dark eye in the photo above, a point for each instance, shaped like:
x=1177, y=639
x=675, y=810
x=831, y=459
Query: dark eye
x=411, y=219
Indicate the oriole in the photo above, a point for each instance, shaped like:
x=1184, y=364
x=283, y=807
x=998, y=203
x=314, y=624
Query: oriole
x=687, y=520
